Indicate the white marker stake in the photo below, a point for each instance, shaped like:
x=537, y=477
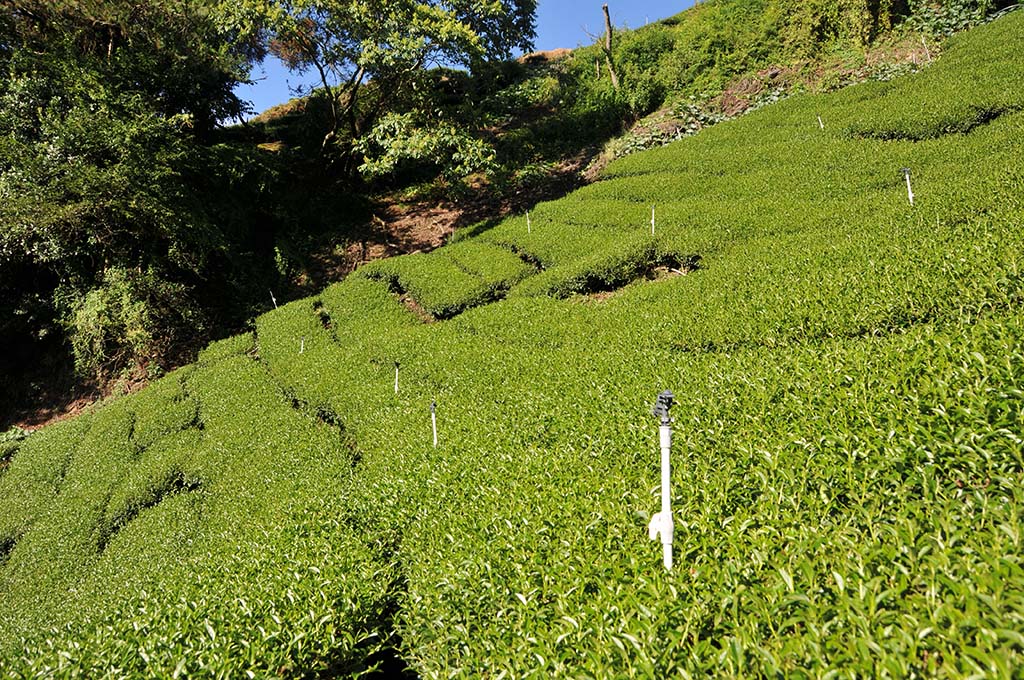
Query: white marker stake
x=433, y=420
x=910, y=192
x=652, y=220
x=820, y=124
x=528, y=229
x=396, y=377
x=273, y=299
x=661, y=522
x=302, y=345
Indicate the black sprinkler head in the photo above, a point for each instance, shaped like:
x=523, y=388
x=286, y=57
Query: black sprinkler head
x=662, y=404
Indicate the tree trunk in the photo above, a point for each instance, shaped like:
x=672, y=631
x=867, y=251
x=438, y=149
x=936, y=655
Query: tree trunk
x=608, y=47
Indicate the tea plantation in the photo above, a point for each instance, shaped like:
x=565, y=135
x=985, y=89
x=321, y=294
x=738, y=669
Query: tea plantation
x=847, y=468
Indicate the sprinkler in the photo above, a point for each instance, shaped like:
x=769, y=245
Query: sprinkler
x=661, y=522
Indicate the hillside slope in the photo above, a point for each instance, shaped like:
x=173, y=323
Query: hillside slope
x=847, y=465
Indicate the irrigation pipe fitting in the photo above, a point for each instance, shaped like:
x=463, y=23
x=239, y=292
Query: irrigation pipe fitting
x=661, y=522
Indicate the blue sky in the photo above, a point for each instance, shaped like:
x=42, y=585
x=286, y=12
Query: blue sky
x=560, y=23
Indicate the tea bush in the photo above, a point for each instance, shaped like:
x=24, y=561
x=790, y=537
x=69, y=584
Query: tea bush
x=941, y=101
x=445, y=284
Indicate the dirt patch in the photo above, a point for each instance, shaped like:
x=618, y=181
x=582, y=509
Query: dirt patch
x=62, y=410
x=403, y=225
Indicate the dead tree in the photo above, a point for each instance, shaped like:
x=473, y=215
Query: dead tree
x=608, y=47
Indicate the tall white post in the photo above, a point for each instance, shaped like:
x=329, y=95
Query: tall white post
x=433, y=420
x=528, y=228
x=652, y=220
x=661, y=522
x=910, y=192
x=820, y=124
x=396, y=377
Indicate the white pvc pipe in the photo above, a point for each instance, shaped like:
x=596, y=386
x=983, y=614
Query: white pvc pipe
x=661, y=522
x=396, y=377
x=820, y=124
x=910, y=192
x=528, y=229
x=433, y=422
x=652, y=220
x=666, y=494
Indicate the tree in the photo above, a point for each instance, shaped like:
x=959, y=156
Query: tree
x=608, y=47
x=106, y=108
x=387, y=43
x=176, y=54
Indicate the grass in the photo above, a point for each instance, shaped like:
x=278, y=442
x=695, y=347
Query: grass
x=847, y=465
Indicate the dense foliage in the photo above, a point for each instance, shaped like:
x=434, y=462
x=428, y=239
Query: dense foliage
x=108, y=233
x=848, y=464
x=389, y=46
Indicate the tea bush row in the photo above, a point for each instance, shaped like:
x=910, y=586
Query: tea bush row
x=445, y=284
